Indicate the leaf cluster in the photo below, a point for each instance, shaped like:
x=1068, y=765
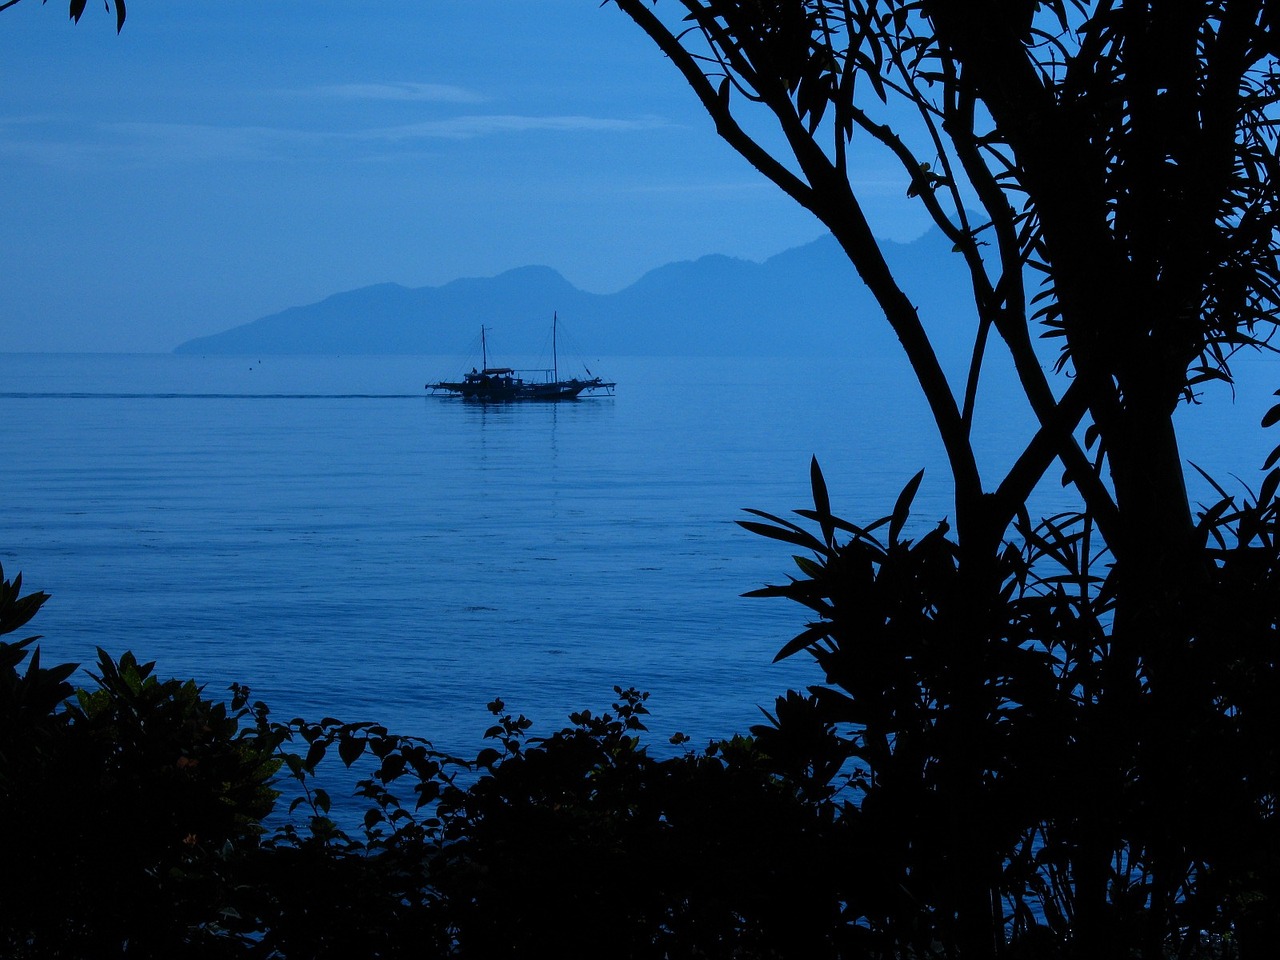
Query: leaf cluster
x=121, y=803
x=994, y=740
x=157, y=823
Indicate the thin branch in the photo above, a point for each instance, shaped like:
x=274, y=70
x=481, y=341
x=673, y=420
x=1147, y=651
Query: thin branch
x=716, y=104
x=830, y=197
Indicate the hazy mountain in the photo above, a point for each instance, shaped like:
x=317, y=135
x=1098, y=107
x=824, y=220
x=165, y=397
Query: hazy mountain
x=803, y=300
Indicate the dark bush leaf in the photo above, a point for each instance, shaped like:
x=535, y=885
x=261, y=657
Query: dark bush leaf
x=902, y=508
x=1267, y=492
x=314, y=755
x=821, y=501
x=807, y=638
x=350, y=749
x=808, y=541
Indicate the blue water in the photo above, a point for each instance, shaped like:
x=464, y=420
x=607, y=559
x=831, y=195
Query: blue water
x=319, y=529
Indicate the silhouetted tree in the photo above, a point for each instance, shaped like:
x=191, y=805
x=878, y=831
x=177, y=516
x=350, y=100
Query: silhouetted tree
x=1077, y=697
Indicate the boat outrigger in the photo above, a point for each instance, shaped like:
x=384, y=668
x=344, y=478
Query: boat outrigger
x=504, y=384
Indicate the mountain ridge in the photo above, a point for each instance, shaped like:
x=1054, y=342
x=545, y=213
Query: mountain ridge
x=797, y=301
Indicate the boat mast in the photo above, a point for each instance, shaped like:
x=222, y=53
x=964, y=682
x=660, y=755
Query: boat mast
x=555, y=361
x=484, y=351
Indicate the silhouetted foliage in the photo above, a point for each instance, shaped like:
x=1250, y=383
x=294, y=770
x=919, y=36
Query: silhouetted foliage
x=1056, y=727
x=76, y=9
x=28, y=699
x=1197, y=803
x=122, y=805
x=150, y=828
x=573, y=845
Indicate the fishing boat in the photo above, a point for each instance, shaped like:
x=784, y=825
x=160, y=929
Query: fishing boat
x=504, y=384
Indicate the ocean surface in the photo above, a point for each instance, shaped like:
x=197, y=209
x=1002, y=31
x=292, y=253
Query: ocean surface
x=323, y=531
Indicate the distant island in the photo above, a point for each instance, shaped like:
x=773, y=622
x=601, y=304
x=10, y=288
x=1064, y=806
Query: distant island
x=800, y=301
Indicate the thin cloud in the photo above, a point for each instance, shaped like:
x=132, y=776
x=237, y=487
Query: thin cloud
x=484, y=125
x=151, y=143
x=402, y=91
x=144, y=142
x=203, y=142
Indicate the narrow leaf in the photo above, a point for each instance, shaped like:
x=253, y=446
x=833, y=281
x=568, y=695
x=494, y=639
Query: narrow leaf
x=1267, y=492
x=806, y=540
x=1212, y=482
x=902, y=509
x=837, y=523
x=807, y=638
x=821, y=501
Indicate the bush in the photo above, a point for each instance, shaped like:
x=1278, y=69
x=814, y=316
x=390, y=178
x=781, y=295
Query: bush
x=123, y=805
x=136, y=814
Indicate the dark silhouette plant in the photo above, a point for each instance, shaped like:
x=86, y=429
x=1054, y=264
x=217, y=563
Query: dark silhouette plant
x=123, y=805
x=567, y=845
x=144, y=820
x=1197, y=803
x=1046, y=711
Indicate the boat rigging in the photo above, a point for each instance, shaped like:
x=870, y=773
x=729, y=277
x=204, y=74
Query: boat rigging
x=505, y=384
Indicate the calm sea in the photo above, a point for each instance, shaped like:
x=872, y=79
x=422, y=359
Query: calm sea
x=323, y=531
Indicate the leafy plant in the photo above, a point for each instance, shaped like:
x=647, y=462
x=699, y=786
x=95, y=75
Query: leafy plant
x=28, y=700
x=1044, y=716
x=124, y=805
x=990, y=760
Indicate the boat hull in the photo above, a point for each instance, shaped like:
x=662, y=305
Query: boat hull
x=511, y=391
x=507, y=385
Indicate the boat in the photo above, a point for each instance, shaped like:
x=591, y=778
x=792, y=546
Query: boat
x=505, y=384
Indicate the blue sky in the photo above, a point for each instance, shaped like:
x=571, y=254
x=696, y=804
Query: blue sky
x=220, y=161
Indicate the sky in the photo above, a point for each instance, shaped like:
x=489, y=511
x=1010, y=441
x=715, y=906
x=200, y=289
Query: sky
x=218, y=162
